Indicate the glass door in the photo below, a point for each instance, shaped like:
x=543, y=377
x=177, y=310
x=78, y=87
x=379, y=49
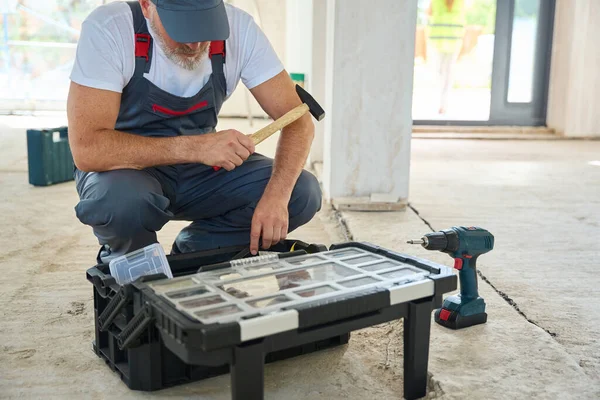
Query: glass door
x=522, y=62
x=482, y=62
x=454, y=60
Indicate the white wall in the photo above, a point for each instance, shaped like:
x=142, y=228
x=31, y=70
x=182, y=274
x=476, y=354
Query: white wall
x=299, y=38
x=574, y=94
x=271, y=17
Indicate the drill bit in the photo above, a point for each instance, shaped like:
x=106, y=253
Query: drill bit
x=423, y=241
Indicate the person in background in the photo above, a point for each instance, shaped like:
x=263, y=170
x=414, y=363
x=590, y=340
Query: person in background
x=446, y=30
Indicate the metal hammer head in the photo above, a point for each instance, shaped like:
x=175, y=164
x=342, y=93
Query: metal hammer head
x=315, y=109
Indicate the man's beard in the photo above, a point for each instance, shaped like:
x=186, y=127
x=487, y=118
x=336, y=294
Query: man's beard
x=181, y=55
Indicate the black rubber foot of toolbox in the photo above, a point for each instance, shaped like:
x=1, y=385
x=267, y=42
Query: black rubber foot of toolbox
x=153, y=367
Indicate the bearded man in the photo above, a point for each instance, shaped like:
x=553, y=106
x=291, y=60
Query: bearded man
x=149, y=80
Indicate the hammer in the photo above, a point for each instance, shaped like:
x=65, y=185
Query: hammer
x=309, y=104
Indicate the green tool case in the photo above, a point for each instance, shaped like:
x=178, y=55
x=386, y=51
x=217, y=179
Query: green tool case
x=49, y=156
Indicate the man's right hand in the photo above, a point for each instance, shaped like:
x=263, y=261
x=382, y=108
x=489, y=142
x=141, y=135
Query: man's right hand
x=226, y=149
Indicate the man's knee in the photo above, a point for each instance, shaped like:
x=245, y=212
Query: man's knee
x=306, y=198
x=122, y=205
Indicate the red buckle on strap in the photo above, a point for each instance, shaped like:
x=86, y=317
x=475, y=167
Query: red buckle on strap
x=142, y=45
x=216, y=48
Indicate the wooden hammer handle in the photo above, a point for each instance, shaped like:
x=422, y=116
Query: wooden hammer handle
x=279, y=124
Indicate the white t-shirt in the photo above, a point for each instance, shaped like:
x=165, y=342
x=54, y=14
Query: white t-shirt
x=105, y=55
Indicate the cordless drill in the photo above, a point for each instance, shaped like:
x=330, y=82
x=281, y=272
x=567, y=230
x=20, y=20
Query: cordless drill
x=464, y=245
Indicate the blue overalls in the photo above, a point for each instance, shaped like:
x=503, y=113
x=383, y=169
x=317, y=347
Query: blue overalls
x=127, y=207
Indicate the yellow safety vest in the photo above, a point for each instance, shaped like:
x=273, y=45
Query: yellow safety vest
x=447, y=28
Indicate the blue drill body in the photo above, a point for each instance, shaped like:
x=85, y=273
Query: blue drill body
x=465, y=245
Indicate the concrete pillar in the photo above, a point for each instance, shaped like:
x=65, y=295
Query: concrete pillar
x=369, y=80
x=574, y=93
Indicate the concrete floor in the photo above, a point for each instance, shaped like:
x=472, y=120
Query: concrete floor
x=541, y=201
x=539, y=198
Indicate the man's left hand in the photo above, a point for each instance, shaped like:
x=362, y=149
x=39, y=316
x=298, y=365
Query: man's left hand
x=270, y=221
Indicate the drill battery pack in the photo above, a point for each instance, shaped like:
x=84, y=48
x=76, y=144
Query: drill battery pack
x=453, y=320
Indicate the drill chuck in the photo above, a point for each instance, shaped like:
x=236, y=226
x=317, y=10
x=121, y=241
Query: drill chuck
x=446, y=241
x=436, y=241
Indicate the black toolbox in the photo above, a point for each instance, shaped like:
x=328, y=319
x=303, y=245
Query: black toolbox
x=158, y=332
x=145, y=363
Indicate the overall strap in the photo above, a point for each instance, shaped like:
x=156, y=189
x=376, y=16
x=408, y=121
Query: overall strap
x=217, y=58
x=143, y=40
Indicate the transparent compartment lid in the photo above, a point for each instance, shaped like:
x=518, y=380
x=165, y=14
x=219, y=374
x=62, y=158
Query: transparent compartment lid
x=266, y=285
x=145, y=261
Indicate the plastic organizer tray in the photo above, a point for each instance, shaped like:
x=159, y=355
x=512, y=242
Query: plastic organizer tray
x=267, y=284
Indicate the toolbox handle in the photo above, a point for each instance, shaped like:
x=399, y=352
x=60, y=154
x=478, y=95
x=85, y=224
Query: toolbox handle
x=59, y=135
x=135, y=327
x=114, y=307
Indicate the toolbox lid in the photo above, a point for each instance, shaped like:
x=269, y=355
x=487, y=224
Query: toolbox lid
x=268, y=285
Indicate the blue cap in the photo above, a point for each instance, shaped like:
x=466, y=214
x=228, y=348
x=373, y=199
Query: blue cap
x=191, y=21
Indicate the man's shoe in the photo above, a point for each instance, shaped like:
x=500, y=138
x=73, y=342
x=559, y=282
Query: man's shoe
x=175, y=249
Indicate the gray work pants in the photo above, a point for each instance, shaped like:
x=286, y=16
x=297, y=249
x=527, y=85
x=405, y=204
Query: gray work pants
x=127, y=207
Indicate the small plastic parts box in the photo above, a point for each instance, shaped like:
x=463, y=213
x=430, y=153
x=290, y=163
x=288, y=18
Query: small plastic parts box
x=49, y=156
x=146, y=261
